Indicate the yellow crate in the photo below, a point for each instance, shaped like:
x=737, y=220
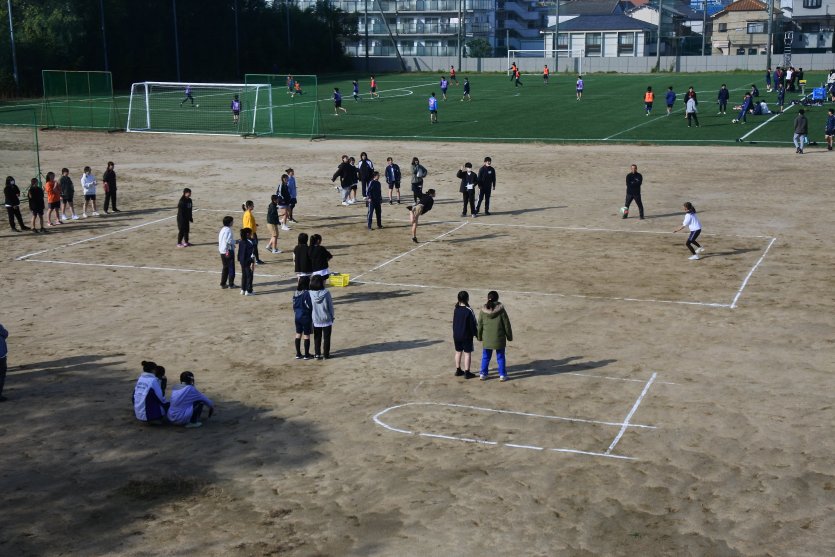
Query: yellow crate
x=337, y=279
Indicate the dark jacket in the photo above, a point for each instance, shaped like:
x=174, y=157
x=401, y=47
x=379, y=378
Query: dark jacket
x=467, y=178
x=319, y=258
x=246, y=252
x=494, y=329
x=393, y=174
x=427, y=201
x=346, y=174
x=272, y=213
x=67, y=189
x=110, y=178
x=301, y=256
x=365, y=170
x=723, y=95
x=283, y=194
x=487, y=177
x=633, y=183
x=11, y=194
x=303, y=306
x=801, y=124
x=36, y=201
x=375, y=192
x=184, y=210
x=464, y=326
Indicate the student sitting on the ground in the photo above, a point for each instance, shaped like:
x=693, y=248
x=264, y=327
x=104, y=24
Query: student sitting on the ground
x=187, y=403
x=149, y=394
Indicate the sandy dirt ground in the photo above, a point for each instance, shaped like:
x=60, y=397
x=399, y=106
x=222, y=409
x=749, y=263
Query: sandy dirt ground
x=656, y=406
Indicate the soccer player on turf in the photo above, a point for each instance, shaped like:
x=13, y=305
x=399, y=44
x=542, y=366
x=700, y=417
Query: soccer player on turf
x=649, y=97
x=356, y=91
x=188, y=96
x=545, y=74
x=337, y=102
x=580, y=86
x=829, y=129
x=433, y=109
x=671, y=99
x=518, y=78
x=236, y=110
x=466, y=90
x=374, y=92
x=722, y=98
x=444, y=84
x=452, y=77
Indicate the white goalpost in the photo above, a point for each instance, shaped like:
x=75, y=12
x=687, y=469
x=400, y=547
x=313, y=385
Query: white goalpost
x=201, y=108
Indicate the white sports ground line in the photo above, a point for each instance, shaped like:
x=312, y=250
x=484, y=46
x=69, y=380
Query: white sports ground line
x=377, y=419
x=626, y=423
x=751, y=272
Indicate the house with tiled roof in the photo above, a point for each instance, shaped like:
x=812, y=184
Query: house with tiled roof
x=741, y=28
x=605, y=36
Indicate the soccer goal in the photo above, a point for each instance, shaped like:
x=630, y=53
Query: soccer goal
x=79, y=100
x=201, y=108
x=530, y=61
x=19, y=149
x=296, y=98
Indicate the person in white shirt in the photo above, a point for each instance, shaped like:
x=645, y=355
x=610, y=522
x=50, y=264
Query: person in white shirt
x=226, y=247
x=692, y=222
x=88, y=186
x=149, y=394
x=187, y=403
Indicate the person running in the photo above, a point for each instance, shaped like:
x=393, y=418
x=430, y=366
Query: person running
x=67, y=194
x=464, y=328
x=365, y=169
x=356, y=90
x=11, y=199
x=494, y=332
x=393, y=180
x=829, y=130
x=297, y=88
x=184, y=218
x=691, y=112
x=236, y=110
x=580, y=86
x=374, y=200
x=53, y=200
x=149, y=403
x=649, y=97
x=246, y=257
x=319, y=257
x=692, y=222
x=323, y=317
x=545, y=74
x=303, y=313
x=284, y=200
x=337, y=102
x=187, y=403
x=419, y=172
x=633, y=191
x=670, y=99
x=742, y=117
x=517, y=79
x=36, y=204
x=452, y=77
x=226, y=247
x=188, y=96
x=109, y=179
x=291, y=85
x=801, y=130
x=374, y=93
x=301, y=257
x=722, y=98
x=513, y=69
x=469, y=179
x=433, y=109
x=466, y=95
x=294, y=193
x=88, y=186
x=272, y=224
x=423, y=206
x=486, y=185
x=444, y=85
x=345, y=173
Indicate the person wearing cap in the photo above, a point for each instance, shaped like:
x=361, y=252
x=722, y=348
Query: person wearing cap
x=187, y=403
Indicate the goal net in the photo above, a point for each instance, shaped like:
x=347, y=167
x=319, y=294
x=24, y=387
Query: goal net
x=530, y=62
x=200, y=108
x=79, y=100
x=19, y=145
x=296, y=98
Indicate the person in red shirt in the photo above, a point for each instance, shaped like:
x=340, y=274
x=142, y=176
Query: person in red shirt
x=545, y=73
x=452, y=77
x=649, y=97
x=53, y=199
x=374, y=92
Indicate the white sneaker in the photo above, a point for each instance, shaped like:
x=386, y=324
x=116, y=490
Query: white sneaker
x=84, y=215
x=345, y=203
x=62, y=218
x=75, y=217
x=694, y=257
x=276, y=250
x=285, y=227
x=192, y=425
x=95, y=213
x=700, y=250
x=243, y=292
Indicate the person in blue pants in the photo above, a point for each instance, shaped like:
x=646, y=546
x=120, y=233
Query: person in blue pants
x=494, y=332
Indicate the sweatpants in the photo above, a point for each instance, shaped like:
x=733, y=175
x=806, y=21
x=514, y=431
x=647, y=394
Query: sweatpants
x=628, y=201
x=14, y=213
x=246, y=278
x=320, y=334
x=691, y=240
x=469, y=199
x=487, y=355
x=182, y=233
x=110, y=197
x=227, y=270
x=483, y=195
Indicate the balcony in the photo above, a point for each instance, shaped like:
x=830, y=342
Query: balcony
x=392, y=6
x=388, y=51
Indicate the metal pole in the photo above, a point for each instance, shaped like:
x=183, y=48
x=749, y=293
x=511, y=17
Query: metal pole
x=14, y=55
x=768, y=40
x=658, y=37
x=704, y=25
x=176, y=38
x=287, y=14
x=557, y=38
x=460, y=25
x=103, y=36
x=237, y=43
x=367, y=62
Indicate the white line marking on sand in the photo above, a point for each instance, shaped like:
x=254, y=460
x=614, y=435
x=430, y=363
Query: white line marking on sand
x=751, y=272
x=626, y=423
x=149, y=268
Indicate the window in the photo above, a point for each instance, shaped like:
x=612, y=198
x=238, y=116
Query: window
x=811, y=4
x=594, y=44
x=562, y=41
x=756, y=27
x=811, y=27
x=626, y=43
x=723, y=27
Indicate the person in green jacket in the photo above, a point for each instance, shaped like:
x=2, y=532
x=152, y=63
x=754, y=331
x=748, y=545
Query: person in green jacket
x=494, y=332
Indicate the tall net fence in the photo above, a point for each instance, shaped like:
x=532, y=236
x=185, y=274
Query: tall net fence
x=200, y=108
x=295, y=103
x=79, y=100
x=19, y=151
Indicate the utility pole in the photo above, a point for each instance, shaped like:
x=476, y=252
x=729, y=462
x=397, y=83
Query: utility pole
x=176, y=38
x=704, y=24
x=460, y=25
x=658, y=37
x=14, y=55
x=237, y=43
x=557, y=38
x=367, y=62
x=103, y=36
x=770, y=32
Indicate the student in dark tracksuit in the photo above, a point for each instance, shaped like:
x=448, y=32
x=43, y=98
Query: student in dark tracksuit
x=109, y=179
x=374, y=199
x=11, y=199
x=722, y=98
x=486, y=185
x=345, y=172
x=633, y=190
x=469, y=179
x=393, y=179
x=184, y=218
x=365, y=169
x=464, y=328
x=246, y=257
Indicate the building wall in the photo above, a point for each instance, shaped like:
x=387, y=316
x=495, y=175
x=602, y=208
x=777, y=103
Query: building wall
x=737, y=36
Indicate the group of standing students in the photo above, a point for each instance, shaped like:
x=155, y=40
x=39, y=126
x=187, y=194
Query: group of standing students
x=492, y=328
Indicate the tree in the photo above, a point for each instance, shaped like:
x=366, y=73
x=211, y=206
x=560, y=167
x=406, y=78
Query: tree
x=479, y=48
